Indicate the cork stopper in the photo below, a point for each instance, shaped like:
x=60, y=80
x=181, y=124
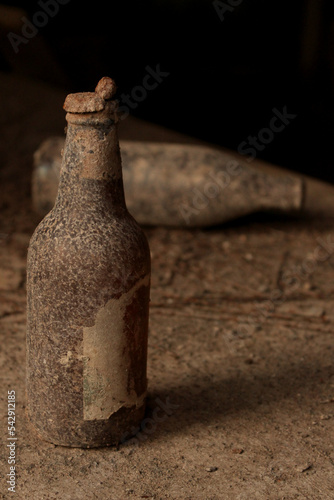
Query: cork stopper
x=106, y=88
x=91, y=102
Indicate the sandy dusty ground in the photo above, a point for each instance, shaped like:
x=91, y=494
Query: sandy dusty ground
x=241, y=357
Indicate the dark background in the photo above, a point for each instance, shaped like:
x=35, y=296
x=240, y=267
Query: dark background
x=225, y=76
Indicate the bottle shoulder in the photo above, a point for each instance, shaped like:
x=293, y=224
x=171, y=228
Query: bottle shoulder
x=106, y=261
x=90, y=238
x=71, y=226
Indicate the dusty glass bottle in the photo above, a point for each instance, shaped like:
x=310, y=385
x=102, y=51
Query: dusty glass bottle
x=88, y=279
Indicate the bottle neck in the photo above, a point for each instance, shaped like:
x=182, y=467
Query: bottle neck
x=91, y=166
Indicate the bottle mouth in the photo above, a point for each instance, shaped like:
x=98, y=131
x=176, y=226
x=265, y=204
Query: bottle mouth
x=93, y=108
x=105, y=117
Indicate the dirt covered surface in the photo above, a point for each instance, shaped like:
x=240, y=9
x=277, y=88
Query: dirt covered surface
x=241, y=355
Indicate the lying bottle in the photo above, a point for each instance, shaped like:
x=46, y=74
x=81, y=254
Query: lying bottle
x=88, y=280
x=180, y=184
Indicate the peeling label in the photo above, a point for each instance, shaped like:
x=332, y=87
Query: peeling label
x=108, y=383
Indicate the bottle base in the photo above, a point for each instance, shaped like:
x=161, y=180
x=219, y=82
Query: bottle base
x=121, y=426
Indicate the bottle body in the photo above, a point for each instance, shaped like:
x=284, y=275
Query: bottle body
x=88, y=279
x=181, y=184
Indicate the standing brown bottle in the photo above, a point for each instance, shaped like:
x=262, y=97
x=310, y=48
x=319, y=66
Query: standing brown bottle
x=88, y=284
